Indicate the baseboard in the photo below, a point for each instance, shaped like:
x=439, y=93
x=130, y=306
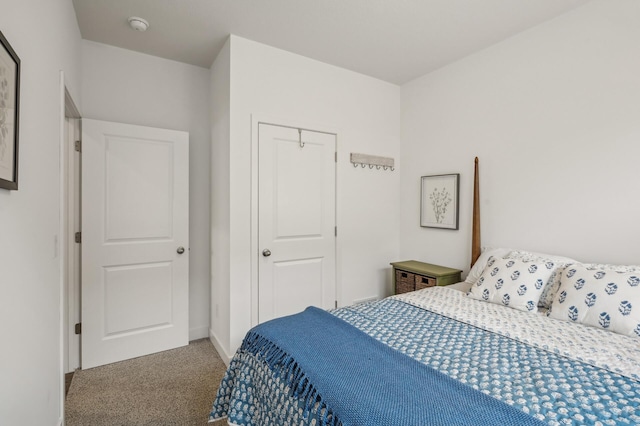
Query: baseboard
x=366, y=300
x=198, y=333
x=226, y=358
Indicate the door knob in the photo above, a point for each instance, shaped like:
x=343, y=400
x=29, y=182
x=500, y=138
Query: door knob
x=266, y=252
x=180, y=250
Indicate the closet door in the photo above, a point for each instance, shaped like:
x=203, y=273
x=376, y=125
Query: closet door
x=297, y=211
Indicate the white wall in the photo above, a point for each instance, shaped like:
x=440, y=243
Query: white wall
x=46, y=37
x=366, y=114
x=553, y=115
x=220, y=194
x=129, y=87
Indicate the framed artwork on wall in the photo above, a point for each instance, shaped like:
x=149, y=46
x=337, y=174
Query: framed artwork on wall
x=9, y=113
x=440, y=196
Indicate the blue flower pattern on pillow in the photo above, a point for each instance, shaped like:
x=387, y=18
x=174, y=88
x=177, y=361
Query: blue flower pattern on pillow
x=608, y=307
x=512, y=283
x=505, y=299
x=555, y=264
x=563, y=296
x=625, y=307
x=573, y=313
x=539, y=284
x=590, y=300
x=605, y=320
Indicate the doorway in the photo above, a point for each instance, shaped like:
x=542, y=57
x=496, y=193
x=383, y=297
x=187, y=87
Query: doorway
x=70, y=224
x=126, y=196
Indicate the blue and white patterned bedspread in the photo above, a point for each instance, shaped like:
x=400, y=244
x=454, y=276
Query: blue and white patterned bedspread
x=555, y=371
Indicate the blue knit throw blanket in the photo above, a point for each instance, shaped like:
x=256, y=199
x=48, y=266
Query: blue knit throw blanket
x=343, y=376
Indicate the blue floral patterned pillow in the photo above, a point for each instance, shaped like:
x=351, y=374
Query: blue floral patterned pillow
x=512, y=283
x=602, y=298
x=551, y=287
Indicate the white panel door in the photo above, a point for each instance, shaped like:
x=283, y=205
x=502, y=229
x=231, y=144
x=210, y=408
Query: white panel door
x=296, y=235
x=135, y=241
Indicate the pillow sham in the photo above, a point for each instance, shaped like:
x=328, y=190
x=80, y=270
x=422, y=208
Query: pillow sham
x=609, y=267
x=551, y=287
x=481, y=263
x=512, y=283
x=602, y=298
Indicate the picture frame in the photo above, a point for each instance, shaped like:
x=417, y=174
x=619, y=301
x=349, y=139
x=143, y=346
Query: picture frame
x=439, y=201
x=9, y=114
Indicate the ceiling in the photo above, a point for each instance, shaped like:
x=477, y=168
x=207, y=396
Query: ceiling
x=392, y=40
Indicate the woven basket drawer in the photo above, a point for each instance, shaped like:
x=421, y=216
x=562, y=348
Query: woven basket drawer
x=424, y=282
x=405, y=281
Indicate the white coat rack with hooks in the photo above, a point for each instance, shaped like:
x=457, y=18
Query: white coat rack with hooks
x=364, y=160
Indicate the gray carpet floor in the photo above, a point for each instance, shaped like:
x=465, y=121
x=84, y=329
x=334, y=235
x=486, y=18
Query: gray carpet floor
x=175, y=387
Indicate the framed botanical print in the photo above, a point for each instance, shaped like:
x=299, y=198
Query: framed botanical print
x=9, y=114
x=440, y=196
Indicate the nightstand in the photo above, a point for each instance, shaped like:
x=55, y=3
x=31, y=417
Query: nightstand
x=412, y=275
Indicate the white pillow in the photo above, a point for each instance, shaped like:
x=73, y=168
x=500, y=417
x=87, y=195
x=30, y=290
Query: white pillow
x=551, y=287
x=602, y=298
x=512, y=282
x=481, y=263
x=609, y=267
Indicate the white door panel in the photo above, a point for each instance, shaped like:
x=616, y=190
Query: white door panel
x=296, y=285
x=135, y=167
x=134, y=218
x=296, y=221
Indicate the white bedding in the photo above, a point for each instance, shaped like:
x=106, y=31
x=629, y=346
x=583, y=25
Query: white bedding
x=611, y=351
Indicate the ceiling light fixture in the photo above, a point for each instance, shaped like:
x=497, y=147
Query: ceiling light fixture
x=138, y=24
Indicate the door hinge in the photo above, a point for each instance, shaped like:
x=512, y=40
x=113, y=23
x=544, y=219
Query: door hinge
x=336, y=231
x=78, y=237
x=78, y=146
x=78, y=328
x=336, y=304
x=336, y=156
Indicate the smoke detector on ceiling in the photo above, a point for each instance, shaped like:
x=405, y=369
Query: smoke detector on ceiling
x=138, y=24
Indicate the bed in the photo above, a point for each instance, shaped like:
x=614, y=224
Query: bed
x=528, y=338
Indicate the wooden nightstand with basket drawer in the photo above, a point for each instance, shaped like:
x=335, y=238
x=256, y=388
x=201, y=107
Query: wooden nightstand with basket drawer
x=412, y=275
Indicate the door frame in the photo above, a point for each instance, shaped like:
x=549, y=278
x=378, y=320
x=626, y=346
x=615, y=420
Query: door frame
x=71, y=248
x=256, y=120
x=68, y=110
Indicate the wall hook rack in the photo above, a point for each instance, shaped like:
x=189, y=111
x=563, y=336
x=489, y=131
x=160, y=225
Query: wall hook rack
x=372, y=161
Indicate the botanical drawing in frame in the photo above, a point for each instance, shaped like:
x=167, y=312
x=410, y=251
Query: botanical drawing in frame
x=440, y=197
x=9, y=114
